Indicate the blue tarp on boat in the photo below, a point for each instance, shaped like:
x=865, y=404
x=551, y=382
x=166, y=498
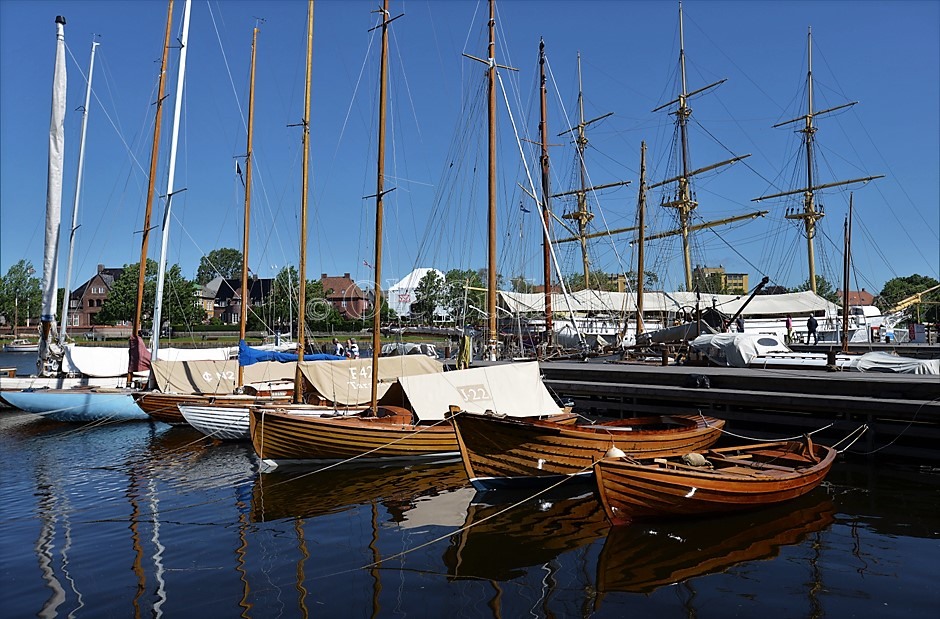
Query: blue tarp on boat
x=249, y=356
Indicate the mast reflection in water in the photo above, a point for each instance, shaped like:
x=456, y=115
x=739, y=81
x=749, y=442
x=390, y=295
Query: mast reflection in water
x=144, y=520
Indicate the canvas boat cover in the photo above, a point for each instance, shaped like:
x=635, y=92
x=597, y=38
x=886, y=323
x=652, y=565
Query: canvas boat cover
x=514, y=389
x=214, y=377
x=887, y=362
x=737, y=349
x=104, y=361
x=249, y=356
x=349, y=382
x=600, y=301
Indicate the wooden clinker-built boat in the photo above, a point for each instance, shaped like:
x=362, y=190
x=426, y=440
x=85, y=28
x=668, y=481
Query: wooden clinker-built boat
x=718, y=480
x=500, y=451
x=280, y=437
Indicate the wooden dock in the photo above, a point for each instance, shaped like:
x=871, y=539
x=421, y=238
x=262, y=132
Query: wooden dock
x=902, y=411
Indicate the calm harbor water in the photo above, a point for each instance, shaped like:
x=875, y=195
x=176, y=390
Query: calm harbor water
x=143, y=520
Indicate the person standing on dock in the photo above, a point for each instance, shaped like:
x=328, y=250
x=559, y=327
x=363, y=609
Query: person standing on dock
x=811, y=330
x=789, y=329
x=740, y=324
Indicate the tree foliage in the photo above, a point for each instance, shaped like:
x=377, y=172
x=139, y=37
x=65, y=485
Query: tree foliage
x=226, y=262
x=180, y=305
x=429, y=295
x=20, y=293
x=464, y=288
x=900, y=288
x=823, y=289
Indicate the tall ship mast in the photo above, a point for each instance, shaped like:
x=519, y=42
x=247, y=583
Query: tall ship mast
x=810, y=213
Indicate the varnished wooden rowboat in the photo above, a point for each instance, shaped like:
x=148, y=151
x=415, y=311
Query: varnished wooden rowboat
x=735, y=478
x=280, y=437
x=500, y=451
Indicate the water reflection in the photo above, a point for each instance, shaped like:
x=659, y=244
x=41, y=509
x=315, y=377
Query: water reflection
x=406, y=492
x=642, y=558
x=506, y=531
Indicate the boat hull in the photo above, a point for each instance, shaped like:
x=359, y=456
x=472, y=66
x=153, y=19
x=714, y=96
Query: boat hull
x=504, y=452
x=280, y=438
x=742, y=478
x=165, y=406
x=78, y=405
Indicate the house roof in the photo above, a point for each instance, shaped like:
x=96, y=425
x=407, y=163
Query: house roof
x=341, y=286
x=107, y=277
x=413, y=279
x=859, y=297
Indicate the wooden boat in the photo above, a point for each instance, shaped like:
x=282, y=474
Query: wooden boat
x=730, y=478
x=641, y=560
x=282, y=437
x=501, y=451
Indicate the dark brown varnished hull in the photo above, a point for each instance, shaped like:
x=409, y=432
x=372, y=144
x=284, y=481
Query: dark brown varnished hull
x=743, y=477
x=164, y=406
x=504, y=451
x=279, y=436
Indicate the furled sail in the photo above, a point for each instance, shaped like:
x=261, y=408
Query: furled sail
x=53, y=194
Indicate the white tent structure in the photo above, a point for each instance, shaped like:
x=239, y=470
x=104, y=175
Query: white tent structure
x=402, y=295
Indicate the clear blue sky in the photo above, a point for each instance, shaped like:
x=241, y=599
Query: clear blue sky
x=882, y=54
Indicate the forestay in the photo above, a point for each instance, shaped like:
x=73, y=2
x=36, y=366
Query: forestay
x=514, y=389
x=349, y=382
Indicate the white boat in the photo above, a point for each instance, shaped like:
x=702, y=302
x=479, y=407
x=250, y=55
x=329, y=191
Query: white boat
x=21, y=345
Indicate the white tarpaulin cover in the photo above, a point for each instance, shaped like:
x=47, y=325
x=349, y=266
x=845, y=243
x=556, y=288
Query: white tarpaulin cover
x=514, y=389
x=349, y=382
x=598, y=301
x=887, y=362
x=737, y=349
x=214, y=377
x=113, y=361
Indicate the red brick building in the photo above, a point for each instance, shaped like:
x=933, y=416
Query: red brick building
x=86, y=300
x=343, y=294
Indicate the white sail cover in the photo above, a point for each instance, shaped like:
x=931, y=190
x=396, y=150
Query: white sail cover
x=50, y=259
x=101, y=361
x=349, y=382
x=601, y=301
x=737, y=349
x=514, y=389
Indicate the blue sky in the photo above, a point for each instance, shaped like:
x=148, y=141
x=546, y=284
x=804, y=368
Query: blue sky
x=884, y=55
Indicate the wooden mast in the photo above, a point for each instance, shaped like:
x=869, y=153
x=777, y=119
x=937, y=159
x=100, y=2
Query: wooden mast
x=492, y=318
x=145, y=233
x=641, y=224
x=245, y=290
x=582, y=215
x=810, y=215
x=683, y=202
x=379, y=194
x=846, y=262
x=302, y=267
x=546, y=197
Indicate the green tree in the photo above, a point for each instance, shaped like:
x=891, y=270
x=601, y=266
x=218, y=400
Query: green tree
x=900, y=288
x=600, y=280
x=429, y=295
x=462, y=288
x=20, y=293
x=180, y=305
x=226, y=262
x=712, y=283
x=823, y=289
x=520, y=284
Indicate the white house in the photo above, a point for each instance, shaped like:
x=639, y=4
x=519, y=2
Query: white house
x=402, y=295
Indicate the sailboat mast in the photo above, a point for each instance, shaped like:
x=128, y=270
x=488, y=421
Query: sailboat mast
x=493, y=319
x=546, y=196
x=50, y=259
x=171, y=174
x=685, y=203
x=145, y=233
x=78, y=191
x=846, y=262
x=245, y=291
x=379, y=194
x=809, y=200
x=583, y=216
x=302, y=285
x=641, y=224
